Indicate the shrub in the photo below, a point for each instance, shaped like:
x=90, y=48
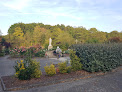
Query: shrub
x=41, y=53
x=69, y=69
x=67, y=52
x=63, y=68
x=27, y=69
x=95, y=66
x=1, y=54
x=35, y=66
x=33, y=51
x=99, y=57
x=75, y=61
x=50, y=70
x=25, y=74
x=22, y=51
x=7, y=51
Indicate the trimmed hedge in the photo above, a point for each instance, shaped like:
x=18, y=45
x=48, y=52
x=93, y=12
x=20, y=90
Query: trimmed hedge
x=99, y=57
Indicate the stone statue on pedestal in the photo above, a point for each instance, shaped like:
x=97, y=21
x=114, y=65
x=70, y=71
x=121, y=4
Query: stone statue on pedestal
x=50, y=45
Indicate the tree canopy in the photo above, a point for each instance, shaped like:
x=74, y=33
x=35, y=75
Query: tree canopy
x=20, y=34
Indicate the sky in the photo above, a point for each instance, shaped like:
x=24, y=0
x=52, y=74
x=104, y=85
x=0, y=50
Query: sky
x=105, y=15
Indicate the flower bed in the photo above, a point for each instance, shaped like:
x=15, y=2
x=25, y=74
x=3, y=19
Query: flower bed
x=21, y=52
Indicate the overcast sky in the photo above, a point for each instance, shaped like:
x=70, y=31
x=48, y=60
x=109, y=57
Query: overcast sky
x=105, y=15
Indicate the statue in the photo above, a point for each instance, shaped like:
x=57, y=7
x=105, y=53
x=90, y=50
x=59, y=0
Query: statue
x=50, y=45
x=50, y=41
x=76, y=41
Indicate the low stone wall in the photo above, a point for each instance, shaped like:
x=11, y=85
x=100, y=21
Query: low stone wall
x=50, y=54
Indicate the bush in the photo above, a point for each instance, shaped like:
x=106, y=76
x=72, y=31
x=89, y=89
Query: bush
x=66, y=52
x=1, y=54
x=40, y=54
x=99, y=57
x=6, y=51
x=75, y=61
x=27, y=69
x=50, y=70
x=69, y=69
x=95, y=66
x=32, y=51
x=35, y=66
x=63, y=68
x=25, y=74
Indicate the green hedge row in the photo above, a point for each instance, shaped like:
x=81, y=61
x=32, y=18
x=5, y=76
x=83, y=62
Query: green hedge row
x=99, y=57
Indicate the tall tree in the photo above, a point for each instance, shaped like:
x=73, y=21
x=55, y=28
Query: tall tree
x=18, y=36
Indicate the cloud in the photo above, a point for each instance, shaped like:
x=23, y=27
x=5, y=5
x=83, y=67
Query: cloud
x=87, y=13
x=17, y=4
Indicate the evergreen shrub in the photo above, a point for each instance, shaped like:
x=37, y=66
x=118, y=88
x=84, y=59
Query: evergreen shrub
x=50, y=70
x=99, y=57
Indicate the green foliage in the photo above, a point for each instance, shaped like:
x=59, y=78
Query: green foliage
x=64, y=40
x=41, y=53
x=50, y=70
x=95, y=66
x=1, y=54
x=46, y=46
x=27, y=69
x=75, y=61
x=93, y=40
x=25, y=74
x=63, y=68
x=17, y=51
x=35, y=66
x=99, y=57
x=66, y=52
x=6, y=51
x=20, y=34
x=31, y=51
x=69, y=69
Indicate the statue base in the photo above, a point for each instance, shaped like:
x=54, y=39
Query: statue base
x=50, y=47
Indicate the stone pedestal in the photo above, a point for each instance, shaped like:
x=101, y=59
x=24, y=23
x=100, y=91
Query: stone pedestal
x=50, y=54
x=50, y=47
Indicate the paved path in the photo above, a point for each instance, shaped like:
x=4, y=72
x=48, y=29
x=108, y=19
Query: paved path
x=108, y=83
x=6, y=65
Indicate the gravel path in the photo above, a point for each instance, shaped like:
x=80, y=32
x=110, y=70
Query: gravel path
x=111, y=82
x=6, y=63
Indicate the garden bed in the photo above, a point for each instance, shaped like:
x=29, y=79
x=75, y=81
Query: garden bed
x=12, y=83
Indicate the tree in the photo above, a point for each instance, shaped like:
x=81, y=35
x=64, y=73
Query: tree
x=114, y=39
x=18, y=36
x=28, y=39
x=33, y=33
x=55, y=32
x=64, y=40
x=39, y=35
x=113, y=34
x=18, y=33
